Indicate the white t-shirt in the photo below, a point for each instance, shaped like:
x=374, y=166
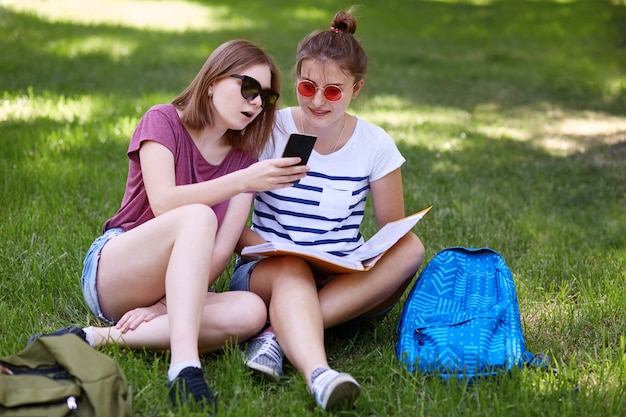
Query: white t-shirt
x=325, y=209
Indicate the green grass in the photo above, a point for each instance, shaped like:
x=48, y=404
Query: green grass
x=512, y=117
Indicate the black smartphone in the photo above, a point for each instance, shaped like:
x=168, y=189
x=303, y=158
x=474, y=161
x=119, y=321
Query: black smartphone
x=301, y=145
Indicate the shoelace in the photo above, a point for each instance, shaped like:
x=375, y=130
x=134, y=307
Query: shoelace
x=320, y=379
x=191, y=381
x=194, y=381
x=270, y=347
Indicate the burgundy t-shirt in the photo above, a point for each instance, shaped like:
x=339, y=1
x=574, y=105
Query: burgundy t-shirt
x=161, y=124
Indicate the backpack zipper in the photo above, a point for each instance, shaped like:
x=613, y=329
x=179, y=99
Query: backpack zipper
x=72, y=405
x=420, y=337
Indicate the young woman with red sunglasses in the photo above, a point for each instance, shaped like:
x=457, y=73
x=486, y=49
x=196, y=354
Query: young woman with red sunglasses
x=351, y=160
x=192, y=173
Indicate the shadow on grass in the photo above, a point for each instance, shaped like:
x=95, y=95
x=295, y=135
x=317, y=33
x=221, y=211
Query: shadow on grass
x=426, y=52
x=563, y=213
x=556, y=219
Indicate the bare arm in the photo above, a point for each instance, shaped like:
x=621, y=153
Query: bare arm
x=388, y=198
x=157, y=166
x=228, y=234
x=248, y=238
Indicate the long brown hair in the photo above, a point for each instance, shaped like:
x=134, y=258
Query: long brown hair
x=337, y=45
x=196, y=107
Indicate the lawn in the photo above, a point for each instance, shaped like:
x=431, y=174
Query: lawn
x=512, y=118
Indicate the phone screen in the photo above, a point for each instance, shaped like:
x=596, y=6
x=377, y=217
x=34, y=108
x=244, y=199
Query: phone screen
x=300, y=145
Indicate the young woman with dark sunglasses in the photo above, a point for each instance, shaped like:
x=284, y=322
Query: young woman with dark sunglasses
x=192, y=173
x=351, y=160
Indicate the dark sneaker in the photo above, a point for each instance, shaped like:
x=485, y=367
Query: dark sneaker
x=78, y=331
x=334, y=390
x=265, y=356
x=190, y=388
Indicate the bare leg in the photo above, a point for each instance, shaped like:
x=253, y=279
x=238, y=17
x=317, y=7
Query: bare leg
x=351, y=295
x=299, y=313
x=288, y=286
x=233, y=316
x=168, y=255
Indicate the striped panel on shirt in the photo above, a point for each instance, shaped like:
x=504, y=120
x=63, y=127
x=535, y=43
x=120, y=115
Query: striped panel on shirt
x=321, y=211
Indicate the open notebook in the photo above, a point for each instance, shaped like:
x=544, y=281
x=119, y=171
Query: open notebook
x=362, y=259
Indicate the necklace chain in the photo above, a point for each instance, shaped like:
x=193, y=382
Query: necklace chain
x=343, y=128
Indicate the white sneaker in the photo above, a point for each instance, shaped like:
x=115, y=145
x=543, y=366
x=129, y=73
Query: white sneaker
x=334, y=390
x=265, y=356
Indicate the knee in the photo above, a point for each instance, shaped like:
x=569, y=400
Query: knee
x=407, y=257
x=420, y=251
x=413, y=248
x=198, y=217
x=292, y=271
x=286, y=267
x=290, y=266
x=250, y=316
x=254, y=315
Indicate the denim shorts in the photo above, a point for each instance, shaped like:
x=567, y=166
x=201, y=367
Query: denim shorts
x=240, y=281
x=90, y=270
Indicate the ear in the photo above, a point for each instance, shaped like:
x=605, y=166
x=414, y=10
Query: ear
x=357, y=88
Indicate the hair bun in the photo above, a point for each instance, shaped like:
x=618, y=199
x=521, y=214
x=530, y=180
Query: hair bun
x=343, y=22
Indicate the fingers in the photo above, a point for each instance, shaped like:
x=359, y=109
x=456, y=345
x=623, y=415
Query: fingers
x=123, y=321
x=278, y=173
x=290, y=167
x=288, y=180
x=132, y=319
x=285, y=162
x=291, y=163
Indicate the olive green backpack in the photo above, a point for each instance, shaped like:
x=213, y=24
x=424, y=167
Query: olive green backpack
x=62, y=376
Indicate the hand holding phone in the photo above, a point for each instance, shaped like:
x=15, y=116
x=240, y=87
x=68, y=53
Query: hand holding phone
x=300, y=144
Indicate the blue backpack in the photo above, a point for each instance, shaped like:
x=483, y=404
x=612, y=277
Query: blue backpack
x=461, y=318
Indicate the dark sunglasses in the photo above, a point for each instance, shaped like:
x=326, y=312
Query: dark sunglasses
x=251, y=88
x=308, y=88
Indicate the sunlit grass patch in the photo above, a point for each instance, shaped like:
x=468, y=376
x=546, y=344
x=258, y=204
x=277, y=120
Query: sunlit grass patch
x=511, y=116
x=116, y=49
x=29, y=107
x=167, y=16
